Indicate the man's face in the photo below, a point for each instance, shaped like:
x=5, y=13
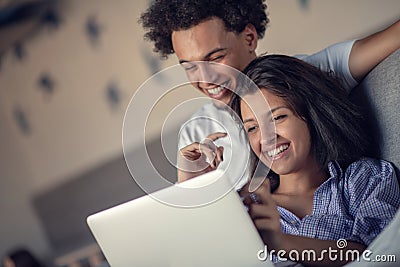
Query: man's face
x=210, y=41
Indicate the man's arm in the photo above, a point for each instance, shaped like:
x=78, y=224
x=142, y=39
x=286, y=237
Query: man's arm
x=370, y=51
x=352, y=60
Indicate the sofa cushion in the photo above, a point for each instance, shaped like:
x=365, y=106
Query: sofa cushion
x=379, y=96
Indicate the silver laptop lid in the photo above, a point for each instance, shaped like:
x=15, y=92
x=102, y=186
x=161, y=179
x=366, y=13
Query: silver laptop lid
x=150, y=231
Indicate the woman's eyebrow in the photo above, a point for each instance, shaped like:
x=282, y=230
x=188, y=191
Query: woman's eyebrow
x=275, y=109
x=248, y=120
x=268, y=114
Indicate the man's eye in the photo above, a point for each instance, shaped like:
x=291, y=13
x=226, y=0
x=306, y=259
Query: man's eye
x=277, y=118
x=218, y=58
x=187, y=66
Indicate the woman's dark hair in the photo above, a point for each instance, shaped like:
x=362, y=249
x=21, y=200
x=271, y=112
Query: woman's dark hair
x=314, y=96
x=165, y=16
x=24, y=258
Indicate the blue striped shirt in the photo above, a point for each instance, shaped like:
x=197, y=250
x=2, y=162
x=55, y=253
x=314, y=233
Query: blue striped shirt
x=355, y=204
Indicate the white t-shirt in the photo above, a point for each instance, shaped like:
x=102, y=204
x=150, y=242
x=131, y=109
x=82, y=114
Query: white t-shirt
x=210, y=119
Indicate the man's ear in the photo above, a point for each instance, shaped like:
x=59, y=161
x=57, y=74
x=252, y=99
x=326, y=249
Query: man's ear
x=250, y=37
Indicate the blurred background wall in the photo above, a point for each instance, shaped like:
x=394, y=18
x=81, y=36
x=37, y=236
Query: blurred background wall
x=67, y=76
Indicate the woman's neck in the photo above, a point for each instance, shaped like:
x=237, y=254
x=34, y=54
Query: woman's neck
x=304, y=181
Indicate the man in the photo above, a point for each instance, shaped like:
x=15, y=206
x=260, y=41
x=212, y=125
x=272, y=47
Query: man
x=227, y=32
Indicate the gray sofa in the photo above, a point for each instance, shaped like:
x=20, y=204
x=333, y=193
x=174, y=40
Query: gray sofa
x=379, y=97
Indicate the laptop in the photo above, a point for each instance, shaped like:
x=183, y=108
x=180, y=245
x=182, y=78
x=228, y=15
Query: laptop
x=200, y=222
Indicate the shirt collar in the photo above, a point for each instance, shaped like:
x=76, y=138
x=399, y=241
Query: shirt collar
x=335, y=170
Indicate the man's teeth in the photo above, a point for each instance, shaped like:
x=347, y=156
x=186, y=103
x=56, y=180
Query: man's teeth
x=277, y=150
x=215, y=91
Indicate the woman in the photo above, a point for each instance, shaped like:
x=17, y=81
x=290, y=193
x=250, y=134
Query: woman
x=327, y=190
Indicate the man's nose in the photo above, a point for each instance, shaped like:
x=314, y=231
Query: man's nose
x=205, y=75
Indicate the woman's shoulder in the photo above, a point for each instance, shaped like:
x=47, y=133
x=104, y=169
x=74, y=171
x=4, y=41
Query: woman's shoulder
x=369, y=169
x=371, y=164
x=367, y=177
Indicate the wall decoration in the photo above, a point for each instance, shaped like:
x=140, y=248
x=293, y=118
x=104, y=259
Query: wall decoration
x=51, y=18
x=93, y=30
x=113, y=94
x=46, y=84
x=304, y=4
x=19, y=51
x=21, y=120
x=153, y=62
x=27, y=18
x=1, y=59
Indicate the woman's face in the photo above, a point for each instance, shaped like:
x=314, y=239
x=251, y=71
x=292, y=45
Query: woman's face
x=288, y=148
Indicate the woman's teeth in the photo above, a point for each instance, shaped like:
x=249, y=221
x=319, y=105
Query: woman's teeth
x=277, y=150
x=215, y=91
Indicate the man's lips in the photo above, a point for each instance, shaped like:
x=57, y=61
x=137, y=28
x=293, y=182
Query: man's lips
x=217, y=92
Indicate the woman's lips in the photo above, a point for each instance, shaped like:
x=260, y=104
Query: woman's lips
x=278, y=152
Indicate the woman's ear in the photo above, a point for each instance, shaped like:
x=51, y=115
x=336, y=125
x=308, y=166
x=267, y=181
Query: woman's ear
x=250, y=37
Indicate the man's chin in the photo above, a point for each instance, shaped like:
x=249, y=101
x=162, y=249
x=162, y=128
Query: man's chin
x=220, y=104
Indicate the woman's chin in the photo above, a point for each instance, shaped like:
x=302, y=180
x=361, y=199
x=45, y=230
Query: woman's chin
x=266, y=161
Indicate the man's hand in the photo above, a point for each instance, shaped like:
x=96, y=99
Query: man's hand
x=199, y=158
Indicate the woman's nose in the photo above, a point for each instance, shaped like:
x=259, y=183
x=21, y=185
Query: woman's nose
x=268, y=133
x=268, y=138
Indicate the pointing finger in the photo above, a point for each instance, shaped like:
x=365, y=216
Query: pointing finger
x=216, y=136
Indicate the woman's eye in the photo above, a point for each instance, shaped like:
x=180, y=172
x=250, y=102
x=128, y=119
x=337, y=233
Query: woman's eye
x=277, y=118
x=251, y=129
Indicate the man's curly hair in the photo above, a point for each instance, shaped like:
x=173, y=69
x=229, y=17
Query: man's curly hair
x=165, y=16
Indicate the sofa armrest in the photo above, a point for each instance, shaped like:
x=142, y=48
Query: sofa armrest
x=379, y=96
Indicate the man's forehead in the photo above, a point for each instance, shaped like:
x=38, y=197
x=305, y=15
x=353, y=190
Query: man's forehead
x=199, y=41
